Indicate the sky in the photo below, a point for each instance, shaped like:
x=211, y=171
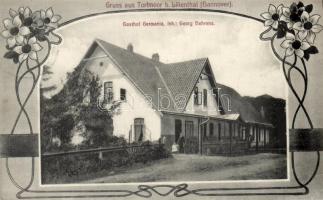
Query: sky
x=238, y=57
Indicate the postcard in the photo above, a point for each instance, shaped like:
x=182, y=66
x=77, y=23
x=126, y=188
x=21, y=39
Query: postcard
x=161, y=99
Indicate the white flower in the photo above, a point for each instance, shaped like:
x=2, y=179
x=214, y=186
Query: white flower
x=308, y=27
x=272, y=16
x=286, y=17
x=295, y=45
x=28, y=49
x=23, y=11
x=48, y=18
x=15, y=31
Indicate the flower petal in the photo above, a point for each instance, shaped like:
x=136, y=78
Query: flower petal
x=19, y=39
x=305, y=16
x=7, y=23
x=317, y=28
x=23, y=57
x=269, y=22
x=56, y=18
x=305, y=45
x=314, y=19
x=49, y=13
x=42, y=14
x=310, y=37
x=11, y=41
x=266, y=15
x=275, y=25
x=12, y=13
x=286, y=11
x=298, y=26
x=284, y=18
x=21, y=10
x=302, y=34
x=32, y=55
x=286, y=44
x=300, y=53
x=290, y=25
x=272, y=9
x=18, y=49
x=32, y=40
x=6, y=34
x=280, y=9
x=36, y=47
x=17, y=21
x=52, y=25
x=290, y=36
x=289, y=52
x=24, y=30
x=27, y=12
x=36, y=15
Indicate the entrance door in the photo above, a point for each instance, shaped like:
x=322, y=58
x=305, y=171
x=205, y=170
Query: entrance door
x=139, y=129
x=178, y=129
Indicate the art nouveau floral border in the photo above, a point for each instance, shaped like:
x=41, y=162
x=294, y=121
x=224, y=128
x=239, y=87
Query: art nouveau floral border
x=30, y=35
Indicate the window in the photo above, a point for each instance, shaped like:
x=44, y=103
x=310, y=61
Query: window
x=211, y=129
x=139, y=129
x=108, y=92
x=205, y=97
x=197, y=96
x=189, y=129
x=123, y=96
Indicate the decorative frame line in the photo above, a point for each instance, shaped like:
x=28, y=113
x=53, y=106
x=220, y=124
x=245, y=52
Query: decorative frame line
x=44, y=32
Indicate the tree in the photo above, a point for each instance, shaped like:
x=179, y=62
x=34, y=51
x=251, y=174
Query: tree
x=45, y=111
x=46, y=76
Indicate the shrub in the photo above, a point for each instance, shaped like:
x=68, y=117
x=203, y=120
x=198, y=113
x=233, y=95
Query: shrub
x=72, y=167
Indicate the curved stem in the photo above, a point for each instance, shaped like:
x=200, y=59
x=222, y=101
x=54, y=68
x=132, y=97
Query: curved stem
x=304, y=75
x=18, y=81
x=289, y=82
x=263, y=33
x=59, y=38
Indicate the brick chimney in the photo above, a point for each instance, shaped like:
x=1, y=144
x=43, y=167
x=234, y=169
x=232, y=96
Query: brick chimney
x=155, y=57
x=130, y=47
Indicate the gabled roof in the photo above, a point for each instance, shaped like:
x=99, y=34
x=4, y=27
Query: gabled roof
x=181, y=77
x=151, y=76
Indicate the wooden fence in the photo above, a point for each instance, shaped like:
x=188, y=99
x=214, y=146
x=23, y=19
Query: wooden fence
x=127, y=148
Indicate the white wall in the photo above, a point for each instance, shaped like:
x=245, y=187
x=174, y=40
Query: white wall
x=134, y=107
x=212, y=106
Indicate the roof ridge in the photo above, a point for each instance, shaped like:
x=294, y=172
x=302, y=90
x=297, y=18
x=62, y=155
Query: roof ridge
x=197, y=59
x=134, y=53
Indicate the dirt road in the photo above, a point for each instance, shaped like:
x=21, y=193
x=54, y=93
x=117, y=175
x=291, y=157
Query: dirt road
x=203, y=168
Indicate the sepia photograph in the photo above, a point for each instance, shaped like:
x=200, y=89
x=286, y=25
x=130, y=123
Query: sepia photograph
x=178, y=97
x=161, y=99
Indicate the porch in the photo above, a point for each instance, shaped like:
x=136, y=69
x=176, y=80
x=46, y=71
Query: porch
x=214, y=135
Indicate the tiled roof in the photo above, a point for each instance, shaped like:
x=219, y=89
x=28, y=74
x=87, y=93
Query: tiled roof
x=174, y=79
x=181, y=77
x=150, y=76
